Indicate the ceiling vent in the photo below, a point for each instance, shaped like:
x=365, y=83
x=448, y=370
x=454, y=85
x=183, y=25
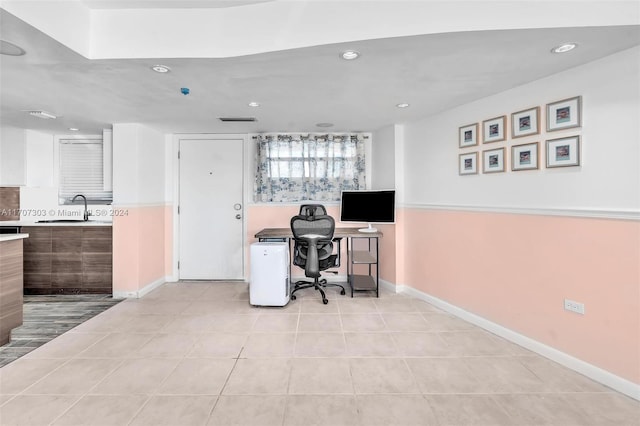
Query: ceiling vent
x=43, y=114
x=237, y=119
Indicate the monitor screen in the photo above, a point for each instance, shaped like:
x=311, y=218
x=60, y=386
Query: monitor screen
x=368, y=206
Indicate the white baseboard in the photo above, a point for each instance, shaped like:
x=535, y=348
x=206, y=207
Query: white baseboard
x=386, y=285
x=144, y=290
x=591, y=371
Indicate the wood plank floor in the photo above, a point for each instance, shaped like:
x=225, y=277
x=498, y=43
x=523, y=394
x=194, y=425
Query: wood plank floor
x=46, y=317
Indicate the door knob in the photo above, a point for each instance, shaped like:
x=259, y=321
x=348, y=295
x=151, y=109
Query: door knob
x=238, y=216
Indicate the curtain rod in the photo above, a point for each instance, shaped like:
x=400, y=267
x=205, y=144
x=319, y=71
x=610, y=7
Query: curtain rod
x=318, y=134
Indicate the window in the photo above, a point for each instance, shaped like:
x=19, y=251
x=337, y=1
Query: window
x=295, y=168
x=82, y=171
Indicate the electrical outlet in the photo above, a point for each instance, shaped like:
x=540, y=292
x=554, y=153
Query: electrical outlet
x=573, y=306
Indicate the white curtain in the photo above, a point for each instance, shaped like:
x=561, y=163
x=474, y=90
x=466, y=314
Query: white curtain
x=294, y=168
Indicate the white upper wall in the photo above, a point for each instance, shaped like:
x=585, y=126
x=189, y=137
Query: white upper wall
x=138, y=165
x=382, y=158
x=12, y=156
x=608, y=178
x=289, y=24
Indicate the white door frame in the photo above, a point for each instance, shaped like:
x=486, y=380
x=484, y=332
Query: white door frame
x=174, y=165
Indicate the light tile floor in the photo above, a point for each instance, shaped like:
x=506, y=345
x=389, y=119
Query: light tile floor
x=47, y=317
x=198, y=354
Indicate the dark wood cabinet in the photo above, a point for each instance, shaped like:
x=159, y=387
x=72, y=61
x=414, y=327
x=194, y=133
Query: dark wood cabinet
x=68, y=260
x=10, y=287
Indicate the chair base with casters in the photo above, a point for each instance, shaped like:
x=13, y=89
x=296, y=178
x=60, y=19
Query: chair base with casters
x=318, y=284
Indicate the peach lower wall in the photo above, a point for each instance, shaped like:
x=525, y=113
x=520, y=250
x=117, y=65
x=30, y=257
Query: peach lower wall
x=142, y=247
x=388, y=255
x=516, y=271
x=260, y=216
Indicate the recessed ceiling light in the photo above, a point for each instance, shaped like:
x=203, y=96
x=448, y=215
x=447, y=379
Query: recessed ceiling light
x=350, y=55
x=324, y=124
x=10, y=49
x=254, y=104
x=43, y=114
x=73, y=129
x=162, y=69
x=403, y=105
x=563, y=48
x=237, y=119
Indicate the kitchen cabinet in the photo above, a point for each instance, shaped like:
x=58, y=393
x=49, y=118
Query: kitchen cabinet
x=11, y=281
x=68, y=260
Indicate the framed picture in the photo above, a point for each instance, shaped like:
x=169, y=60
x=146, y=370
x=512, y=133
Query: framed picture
x=564, y=114
x=493, y=160
x=563, y=152
x=524, y=157
x=525, y=123
x=493, y=130
x=468, y=135
x=468, y=163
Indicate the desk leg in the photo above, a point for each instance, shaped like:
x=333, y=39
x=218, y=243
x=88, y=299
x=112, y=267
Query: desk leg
x=349, y=267
x=377, y=268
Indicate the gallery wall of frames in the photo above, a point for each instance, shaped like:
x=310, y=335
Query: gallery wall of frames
x=516, y=141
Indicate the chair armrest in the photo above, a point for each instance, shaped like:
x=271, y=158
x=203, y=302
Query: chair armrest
x=312, y=265
x=338, y=252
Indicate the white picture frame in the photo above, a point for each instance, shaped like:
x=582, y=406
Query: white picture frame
x=468, y=135
x=525, y=156
x=525, y=123
x=563, y=152
x=493, y=160
x=564, y=114
x=468, y=163
x=493, y=130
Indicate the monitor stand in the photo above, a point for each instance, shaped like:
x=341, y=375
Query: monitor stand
x=369, y=229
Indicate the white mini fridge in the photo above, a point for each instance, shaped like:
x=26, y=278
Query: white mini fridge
x=269, y=282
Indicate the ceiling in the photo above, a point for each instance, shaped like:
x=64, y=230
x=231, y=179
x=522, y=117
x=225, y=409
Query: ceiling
x=296, y=88
x=167, y=4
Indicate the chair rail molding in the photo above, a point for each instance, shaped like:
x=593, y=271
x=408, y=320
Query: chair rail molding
x=620, y=214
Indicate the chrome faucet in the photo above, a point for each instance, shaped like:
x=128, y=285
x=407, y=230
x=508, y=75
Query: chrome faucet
x=86, y=212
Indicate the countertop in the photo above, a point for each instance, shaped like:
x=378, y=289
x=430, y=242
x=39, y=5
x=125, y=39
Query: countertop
x=75, y=223
x=9, y=237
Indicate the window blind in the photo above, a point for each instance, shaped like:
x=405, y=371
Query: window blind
x=82, y=171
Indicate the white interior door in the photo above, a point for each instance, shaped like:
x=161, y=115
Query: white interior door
x=211, y=209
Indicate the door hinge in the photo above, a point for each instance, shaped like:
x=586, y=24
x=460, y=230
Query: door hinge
x=178, y=264
x=178, y=209
x=178, y=155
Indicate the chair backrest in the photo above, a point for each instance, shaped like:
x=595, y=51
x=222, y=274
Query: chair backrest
x=313, y=247
x=312, y=210
x=318, y=225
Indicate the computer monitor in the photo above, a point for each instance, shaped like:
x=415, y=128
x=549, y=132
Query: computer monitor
x=368, y=206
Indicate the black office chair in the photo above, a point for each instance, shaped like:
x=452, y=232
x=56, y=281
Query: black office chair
x=313, y=251
x=317, y=210
x=312, y=210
